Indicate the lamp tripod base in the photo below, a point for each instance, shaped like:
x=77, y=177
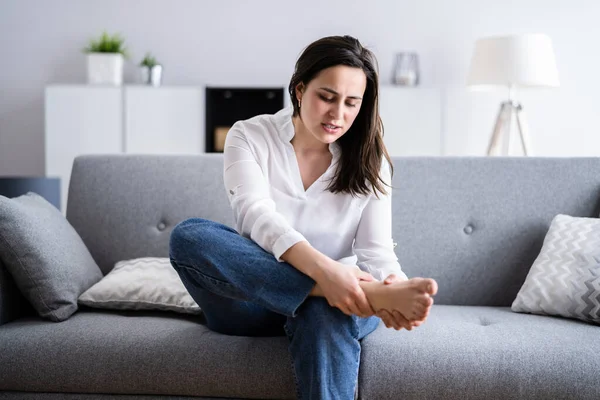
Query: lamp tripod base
x=500, y=142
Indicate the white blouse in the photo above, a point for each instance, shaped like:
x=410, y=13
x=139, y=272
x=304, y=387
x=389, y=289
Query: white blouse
x=270, y=205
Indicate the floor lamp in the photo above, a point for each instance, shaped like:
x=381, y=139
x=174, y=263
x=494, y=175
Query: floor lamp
x=512, y=62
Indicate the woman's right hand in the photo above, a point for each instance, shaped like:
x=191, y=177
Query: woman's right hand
x=339, y=284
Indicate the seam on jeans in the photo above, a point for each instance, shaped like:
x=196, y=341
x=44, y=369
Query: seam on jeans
x=357, y=394
x=204, y=276
x=355, y=332
x=355, y=329
x=290, y=335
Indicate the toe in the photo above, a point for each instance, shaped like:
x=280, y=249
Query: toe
x=432, y=286
x=426, y=285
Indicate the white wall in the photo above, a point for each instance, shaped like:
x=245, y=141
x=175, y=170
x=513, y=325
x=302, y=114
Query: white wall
x=229, y=42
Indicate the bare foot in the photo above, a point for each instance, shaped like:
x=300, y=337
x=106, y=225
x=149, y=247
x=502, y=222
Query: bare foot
x=412, y=298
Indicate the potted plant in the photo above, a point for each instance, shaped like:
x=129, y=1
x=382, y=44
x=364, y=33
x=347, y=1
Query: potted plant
x=151, y=70
x=105, y=57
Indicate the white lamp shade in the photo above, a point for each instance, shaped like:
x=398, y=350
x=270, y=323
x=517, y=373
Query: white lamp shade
x=520, y=61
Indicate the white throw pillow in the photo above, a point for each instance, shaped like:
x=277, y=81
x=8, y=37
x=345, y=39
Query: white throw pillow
x=564, y=280
x=141, y=284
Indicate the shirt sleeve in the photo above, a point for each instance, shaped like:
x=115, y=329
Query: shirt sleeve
x=373, y=244
x=248, y=191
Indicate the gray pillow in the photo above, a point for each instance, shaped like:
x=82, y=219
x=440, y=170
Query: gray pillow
x=564, y=280
x=45, y=256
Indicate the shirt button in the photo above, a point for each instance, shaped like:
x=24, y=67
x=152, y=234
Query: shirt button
x=468, y=229
x=161, y=226
x=231, y=191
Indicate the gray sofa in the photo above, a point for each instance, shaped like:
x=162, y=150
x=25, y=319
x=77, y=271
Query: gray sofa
x=474, y=224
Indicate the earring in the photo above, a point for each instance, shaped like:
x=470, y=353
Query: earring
x=299, y=103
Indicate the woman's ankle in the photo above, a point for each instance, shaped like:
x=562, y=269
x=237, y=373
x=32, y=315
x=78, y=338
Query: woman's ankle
x=370, y=287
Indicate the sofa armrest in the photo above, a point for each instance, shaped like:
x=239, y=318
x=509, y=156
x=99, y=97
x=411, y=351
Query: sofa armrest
x=12, y=303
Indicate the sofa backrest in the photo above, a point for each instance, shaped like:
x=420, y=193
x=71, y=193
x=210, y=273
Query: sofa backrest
x=476, y=224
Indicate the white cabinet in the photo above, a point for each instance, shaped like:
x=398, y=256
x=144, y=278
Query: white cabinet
x=412, y=120
x=166, y=120
x=80, y=120
x=85, y=119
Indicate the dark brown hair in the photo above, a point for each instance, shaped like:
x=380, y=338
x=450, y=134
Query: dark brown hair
x=362, y=148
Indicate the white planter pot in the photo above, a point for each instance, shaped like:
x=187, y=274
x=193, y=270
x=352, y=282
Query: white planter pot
x=152, y=76
x=105, y=69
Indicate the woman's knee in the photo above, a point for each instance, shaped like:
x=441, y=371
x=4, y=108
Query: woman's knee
x=188, y=235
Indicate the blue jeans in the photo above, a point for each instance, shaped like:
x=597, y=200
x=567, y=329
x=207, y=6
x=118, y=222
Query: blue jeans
x=243, y=290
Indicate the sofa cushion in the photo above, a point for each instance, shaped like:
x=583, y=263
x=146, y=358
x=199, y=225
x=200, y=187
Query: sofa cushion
x=141, y=352
x=473, y=352
x=147, y=283
x=461, y=352
x=45, y=256
x=565, y=277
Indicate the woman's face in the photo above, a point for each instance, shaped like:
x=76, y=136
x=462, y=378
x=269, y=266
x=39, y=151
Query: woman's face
x=331, y=101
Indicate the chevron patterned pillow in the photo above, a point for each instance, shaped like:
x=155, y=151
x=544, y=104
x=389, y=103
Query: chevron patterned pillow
x=564, y=280
x=147, y=283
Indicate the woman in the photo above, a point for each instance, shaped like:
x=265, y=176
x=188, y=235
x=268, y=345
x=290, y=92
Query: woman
x=314, y=256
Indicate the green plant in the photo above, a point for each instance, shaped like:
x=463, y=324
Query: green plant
x=107, y=44
x=148, y=61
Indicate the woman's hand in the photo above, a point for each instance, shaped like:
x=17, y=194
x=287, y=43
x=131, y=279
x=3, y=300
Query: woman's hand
x=339, y=284
x=362, y=275
x=395, y=319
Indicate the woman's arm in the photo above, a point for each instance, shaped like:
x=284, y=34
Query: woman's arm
x=248, y=191
x=373, y=243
